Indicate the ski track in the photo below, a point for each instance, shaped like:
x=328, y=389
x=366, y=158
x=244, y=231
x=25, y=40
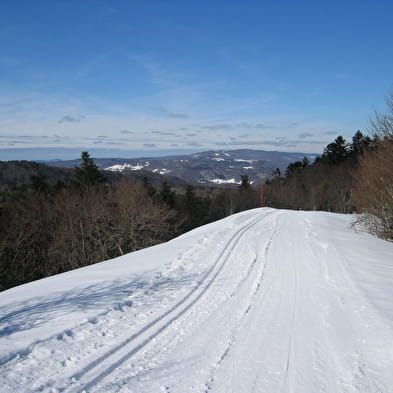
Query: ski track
x=224, y=255
x=263, y=261
x=117, y=355
x=239, y=313
x=247, y=287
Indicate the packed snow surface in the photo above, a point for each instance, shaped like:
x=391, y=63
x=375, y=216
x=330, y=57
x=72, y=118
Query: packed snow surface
x=268, y=301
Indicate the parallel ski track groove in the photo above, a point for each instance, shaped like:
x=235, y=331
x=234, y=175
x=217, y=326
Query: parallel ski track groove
x=290, y=343
x=230, y=245
x=266, y=292
x=210, y=382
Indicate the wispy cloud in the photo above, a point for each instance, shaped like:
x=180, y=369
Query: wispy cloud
x=305, y=135
x=160, y=109
x=244, y=124
x=273, y=143
x=164, y=133
x=178, y=115
x=150, y=145
x=126, y=132
x=71, y=119
x=248, y=125
x=159, y=75
x=260, y=125
x=218, y=127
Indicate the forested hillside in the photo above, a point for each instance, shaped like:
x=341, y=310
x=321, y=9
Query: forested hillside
x=48, y=226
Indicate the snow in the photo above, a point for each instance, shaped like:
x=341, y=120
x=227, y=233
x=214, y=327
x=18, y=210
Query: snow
x=162, y=171
x=224, y=181
x=242, y=160
x=123, y=167
x=218, y=159
x=262, y=301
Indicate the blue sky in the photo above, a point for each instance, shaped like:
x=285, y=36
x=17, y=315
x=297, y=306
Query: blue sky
x=137, y=78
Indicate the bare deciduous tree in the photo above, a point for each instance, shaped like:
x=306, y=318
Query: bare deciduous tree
x=373, y=192
x=381, y=124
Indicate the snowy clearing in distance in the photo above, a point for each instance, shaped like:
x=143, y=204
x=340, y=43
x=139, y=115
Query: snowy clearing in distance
x=224, y=181
x=262, y=301
x=125, y=166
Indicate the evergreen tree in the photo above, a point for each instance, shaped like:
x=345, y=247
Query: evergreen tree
x=245, y=182
x=305, y=162
x=151, y=191
x=192, y=209
x=38, y=183
x=167, y=195
x=87, y=174
x=190, y=197
x=245, y=195
x=276, y=172
x=360, y=142
x=337, y=151
x=293, y=167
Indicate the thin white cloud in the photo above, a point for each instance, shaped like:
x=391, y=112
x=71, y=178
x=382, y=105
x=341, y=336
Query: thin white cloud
x=218, y=127
x=305, y=135
x=158, y=74
x=160, y=109
x=178, y=115
x=70, y=119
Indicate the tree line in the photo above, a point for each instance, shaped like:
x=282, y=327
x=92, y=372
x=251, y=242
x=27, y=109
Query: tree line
x=49, y=228
x=355, y=176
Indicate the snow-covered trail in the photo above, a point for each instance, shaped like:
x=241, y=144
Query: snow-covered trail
x=263, y=301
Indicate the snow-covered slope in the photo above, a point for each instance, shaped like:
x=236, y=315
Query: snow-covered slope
x=262, y=301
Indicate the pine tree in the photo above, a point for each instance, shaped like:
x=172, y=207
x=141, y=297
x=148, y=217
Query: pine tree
x=245, y=182
x=276, y=173
x=192, y=208
x=337, y=151
x=360, y=142
x=151, y=191
x=305, y=162
x=87, y=174
x=167, y=195
x=294, y=168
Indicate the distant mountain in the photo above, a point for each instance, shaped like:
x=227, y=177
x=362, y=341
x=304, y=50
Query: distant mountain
x=18, y=173
x=209, y=167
